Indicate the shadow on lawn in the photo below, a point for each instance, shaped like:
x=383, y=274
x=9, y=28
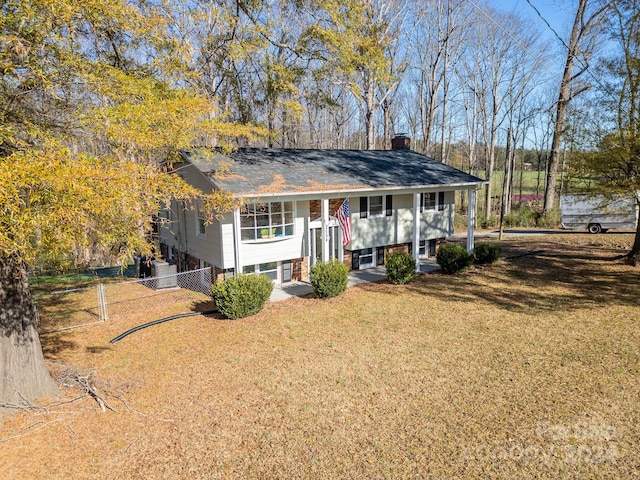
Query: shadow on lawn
x=54, y=344
x=558, y=277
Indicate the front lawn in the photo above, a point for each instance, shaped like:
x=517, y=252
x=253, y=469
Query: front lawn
x=527, y=368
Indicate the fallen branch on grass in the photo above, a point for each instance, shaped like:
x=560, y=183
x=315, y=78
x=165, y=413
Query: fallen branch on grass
x=71, y=378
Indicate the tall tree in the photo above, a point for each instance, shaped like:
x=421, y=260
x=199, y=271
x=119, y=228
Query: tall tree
x=498, y=70
x=583, y=39
x=356, y=36
x=90, y=112
x=439, y=37
x=614, y=166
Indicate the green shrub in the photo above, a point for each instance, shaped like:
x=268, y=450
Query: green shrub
x=329, y=279
x=453, y=258
x=242, y=295
x=401, y=267
x=550, y=219
x=487, y=252
x=523, y=216
x=487, y=222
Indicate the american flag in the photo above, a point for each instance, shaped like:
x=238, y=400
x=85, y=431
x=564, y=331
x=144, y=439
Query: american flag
x=343, y=214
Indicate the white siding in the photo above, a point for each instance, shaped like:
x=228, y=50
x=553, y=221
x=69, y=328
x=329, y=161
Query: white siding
x=398, y=228
x=438, y=224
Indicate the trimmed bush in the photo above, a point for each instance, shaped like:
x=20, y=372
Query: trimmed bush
x=242, y=295
x=487, y=252
x=329, y=279
x=401, y=267
x=453, y=258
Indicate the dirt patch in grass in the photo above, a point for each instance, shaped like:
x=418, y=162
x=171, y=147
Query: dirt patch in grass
x=527, y=368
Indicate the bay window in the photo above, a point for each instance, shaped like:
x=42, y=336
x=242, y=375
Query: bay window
x=266, y=220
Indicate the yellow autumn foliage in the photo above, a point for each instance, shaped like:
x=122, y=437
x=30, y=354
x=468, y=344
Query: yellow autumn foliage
x=94, y=110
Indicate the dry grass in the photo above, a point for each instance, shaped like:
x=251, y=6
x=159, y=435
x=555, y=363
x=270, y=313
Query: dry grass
x=527, y=368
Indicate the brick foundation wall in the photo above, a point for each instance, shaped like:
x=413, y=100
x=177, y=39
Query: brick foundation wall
x=347, y=259
x=315, y=207
x=299, y=269
x=183, y=261
x=218, y=274
x=400, y=247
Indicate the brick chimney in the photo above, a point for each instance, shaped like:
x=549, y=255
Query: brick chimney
x=400, y=142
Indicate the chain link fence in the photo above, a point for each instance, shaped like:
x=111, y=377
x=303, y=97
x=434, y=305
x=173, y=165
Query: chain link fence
x=72, y=308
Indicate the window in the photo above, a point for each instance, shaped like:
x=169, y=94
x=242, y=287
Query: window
x=201, y=220
x=269, y=269
x=366, y=258
x=432, y=201
x=286, y=271
x=427, y=248
x=376, y=206
x=266, y=220
x=432, y=247
x=428, y=201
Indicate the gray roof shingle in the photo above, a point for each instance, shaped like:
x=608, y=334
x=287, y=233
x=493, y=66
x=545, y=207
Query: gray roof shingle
x=269, y=171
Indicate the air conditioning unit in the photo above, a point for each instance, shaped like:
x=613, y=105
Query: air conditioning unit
x=164, y=274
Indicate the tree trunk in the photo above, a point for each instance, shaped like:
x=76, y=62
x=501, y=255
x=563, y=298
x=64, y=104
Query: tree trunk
x=369, y=114
x=386, y=112
x=564, y=97
x=23, y=373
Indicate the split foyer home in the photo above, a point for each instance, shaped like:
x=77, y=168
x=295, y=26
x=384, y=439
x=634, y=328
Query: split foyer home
x=302, y=206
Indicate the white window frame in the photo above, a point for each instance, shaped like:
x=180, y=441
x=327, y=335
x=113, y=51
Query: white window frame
x=259, y=222
x=373, y=259
x=432, y=201
x=382, y=205
x=255, y=269
x=386, y=207
x=201, y=221
x=423, y=248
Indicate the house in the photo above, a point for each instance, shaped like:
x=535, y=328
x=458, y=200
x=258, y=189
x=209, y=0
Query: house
x=398, y=200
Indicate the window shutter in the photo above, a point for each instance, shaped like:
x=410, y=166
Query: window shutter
x=389, y=205
x=421, y=202
x=441, y=201
x=364, y=206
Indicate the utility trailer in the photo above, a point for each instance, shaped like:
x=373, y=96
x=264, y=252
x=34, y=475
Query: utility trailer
x=597, y=213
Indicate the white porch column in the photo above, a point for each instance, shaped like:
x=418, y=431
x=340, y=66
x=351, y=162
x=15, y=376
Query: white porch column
x=236, y=241
x=416, y=229
x=471, y=220
x=325, y=229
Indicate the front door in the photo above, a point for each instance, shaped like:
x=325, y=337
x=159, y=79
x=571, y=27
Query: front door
x=317, y=244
